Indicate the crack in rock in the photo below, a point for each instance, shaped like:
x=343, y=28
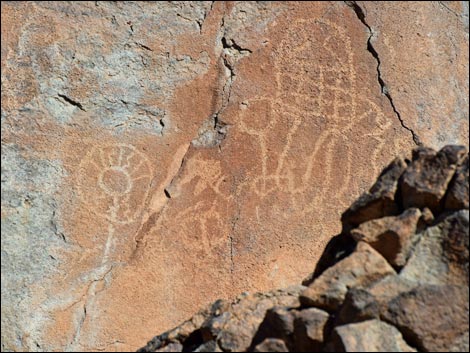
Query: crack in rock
x=71, y=101
x=91, y=291
x=383, y=87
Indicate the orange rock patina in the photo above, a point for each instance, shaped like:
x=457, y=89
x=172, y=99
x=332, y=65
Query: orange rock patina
x=151, y=150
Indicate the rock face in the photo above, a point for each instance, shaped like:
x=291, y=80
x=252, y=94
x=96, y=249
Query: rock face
x=360, y=303
x=153, y=147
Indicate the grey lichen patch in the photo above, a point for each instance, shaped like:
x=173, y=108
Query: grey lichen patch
x=30, y=236
x=134, y=116
x=211, y=133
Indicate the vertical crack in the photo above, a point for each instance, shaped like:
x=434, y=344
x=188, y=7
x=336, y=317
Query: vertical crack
x=383, y=87
x=232, y=249
x=230, y=55
x=90, y=293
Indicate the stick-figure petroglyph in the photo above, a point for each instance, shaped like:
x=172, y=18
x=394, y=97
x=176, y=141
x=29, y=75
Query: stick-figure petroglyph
x=317, y=108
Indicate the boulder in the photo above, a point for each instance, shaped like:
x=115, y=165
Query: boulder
x=360, y=269
x=271, y=345
x=393, y=237
x=457, y=195
x=359, y=305
x=379, y=201
x=425, y=181
x=442, y=254
x=433, y=318
x=309, y=327
x=369, y=336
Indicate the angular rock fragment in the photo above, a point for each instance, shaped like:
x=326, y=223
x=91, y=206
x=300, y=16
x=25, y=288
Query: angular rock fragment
x=427, y=218
x=387, y=289
x=309, y=326
x=432, y=318
x=393, y=237
x=369, y=336
x=278, y=323
x=362, y=268
x=271, y=345
x=425, y=181
x=210, y=346
x=458, y=194
x=359, y=305
x=339, y=247
x=238, y=332
x=172, y=347
x=379, y=201
x=442, y=254
x=235, y=326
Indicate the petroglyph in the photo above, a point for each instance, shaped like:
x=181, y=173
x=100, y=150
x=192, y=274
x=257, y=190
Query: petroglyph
x=205, y=218
x=317, y=106
x=114, y=182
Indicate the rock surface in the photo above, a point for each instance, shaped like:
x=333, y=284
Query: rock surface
x=393, y=237
x=148, y=147
x=369, y=336
x=360, y=303
x=360, y=269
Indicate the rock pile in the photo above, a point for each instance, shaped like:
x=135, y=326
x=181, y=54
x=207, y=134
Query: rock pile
x=395, y=279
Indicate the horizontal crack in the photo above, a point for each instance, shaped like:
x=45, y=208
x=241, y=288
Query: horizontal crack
x=71, y=101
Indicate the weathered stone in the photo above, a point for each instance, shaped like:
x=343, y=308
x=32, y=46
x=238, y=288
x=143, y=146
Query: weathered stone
x=425, y=181
x=426, y=85
x=359, y=305
x=432, y=318
x=379, y=201
x=309, y=327
x=248, y=313
x=148, y=145
x=458, y=194
x=427, y=218
x=442, y=254
x=387, y=289
x=393, y=237
x=210, y=346
x=369, y=336
x=172, y=347
x=271, y=345
x=232, y=326
x=360, y=269
x=339, y=247
x=278, y=323
x=361, y=293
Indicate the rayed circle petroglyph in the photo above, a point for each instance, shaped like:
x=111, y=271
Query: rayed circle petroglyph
x=114, y=181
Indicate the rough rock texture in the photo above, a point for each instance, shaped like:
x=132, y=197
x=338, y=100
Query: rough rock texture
x=359, y=303
x=360, y=269
x=426, y=180
x=424, y=88
x=152, y=147
x=368, y=336
x=393, y=237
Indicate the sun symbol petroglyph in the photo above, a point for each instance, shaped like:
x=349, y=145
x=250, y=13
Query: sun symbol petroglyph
x=114, y=181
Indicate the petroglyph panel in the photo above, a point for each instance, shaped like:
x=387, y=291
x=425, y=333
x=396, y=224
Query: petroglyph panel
x=156, y=149
x=318, y=107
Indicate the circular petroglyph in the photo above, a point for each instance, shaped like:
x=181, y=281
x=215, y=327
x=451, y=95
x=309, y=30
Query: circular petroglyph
x=114, y=181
